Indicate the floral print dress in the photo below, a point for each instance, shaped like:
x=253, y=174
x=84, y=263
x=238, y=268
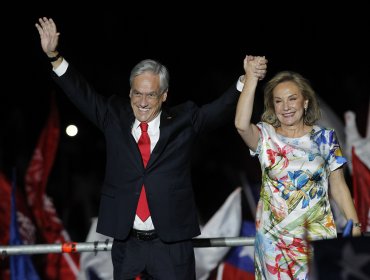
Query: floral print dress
x=294, y=204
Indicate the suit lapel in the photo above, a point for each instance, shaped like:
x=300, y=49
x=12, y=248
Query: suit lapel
x=127, y=120
x=163, y=137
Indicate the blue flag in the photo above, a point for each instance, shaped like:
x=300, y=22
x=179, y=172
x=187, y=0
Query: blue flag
x=21, y=266
x=347, y=232
x=239, y=263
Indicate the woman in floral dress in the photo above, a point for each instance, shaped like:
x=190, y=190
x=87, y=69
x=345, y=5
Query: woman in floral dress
x=299, y=161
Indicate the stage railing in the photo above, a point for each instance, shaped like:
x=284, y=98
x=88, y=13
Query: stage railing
x=74, y=247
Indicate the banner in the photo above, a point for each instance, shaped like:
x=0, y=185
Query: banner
x=58, y=266
x=239, y=262
x=96, y=265
x=21, y=266
x=226, y=222
x=361, y=190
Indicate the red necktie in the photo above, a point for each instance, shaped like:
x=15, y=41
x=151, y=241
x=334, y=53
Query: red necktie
x=144, y=146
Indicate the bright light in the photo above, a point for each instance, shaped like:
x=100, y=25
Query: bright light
x=71, y=130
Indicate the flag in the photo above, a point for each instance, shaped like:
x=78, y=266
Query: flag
x=21, y=266
x=361, y=190
x=239, y=262
x=354, y=139
x=58, y=266
x=96, y=265
x=360, y=167
x=5, y=205
x=226, y=222
x=347, y=231
x=5, y=194
x=26, y=226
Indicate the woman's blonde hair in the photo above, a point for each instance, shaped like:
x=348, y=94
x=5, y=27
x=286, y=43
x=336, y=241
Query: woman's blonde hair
x=312, y=114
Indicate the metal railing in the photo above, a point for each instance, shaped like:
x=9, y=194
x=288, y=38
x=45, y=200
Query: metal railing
x=74, y=247
x=106, y=245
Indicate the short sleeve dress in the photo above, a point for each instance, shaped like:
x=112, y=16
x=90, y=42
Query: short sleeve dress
x=294, y=203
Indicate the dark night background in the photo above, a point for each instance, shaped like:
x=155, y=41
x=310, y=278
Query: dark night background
x=204, y=50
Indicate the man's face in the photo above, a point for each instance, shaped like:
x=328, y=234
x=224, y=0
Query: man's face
x=146, y=99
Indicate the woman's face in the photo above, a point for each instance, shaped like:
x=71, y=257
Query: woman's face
x=289, y=103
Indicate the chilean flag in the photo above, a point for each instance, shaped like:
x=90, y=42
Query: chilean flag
x=239, y=263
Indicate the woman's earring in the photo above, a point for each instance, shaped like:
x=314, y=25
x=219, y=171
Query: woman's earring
x=305, y=110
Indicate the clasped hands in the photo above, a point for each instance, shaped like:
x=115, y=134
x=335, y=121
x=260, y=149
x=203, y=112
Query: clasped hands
x=255, y=66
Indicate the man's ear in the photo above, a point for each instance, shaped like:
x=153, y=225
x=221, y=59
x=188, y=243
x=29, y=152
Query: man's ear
x=164, y=96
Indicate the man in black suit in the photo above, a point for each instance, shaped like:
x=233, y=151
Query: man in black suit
x=159, y=244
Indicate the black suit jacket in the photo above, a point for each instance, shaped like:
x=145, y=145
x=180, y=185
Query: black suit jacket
x=167, y=177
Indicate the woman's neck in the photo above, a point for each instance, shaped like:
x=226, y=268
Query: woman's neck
x=293, y=131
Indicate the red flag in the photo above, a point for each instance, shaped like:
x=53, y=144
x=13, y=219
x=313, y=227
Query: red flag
x=25, y=223
x=21, y=266
x=5, y=192
x=361, y=190
x=58, y=266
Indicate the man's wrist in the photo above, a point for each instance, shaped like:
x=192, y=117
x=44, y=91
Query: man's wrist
x=240, y=83
x=60, y=68
x=53, y=56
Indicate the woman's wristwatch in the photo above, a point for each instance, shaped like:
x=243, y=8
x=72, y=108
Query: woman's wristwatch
x=357, y=225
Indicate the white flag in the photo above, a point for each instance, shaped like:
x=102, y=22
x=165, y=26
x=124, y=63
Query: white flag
x=98, y=264
x=226, y=222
